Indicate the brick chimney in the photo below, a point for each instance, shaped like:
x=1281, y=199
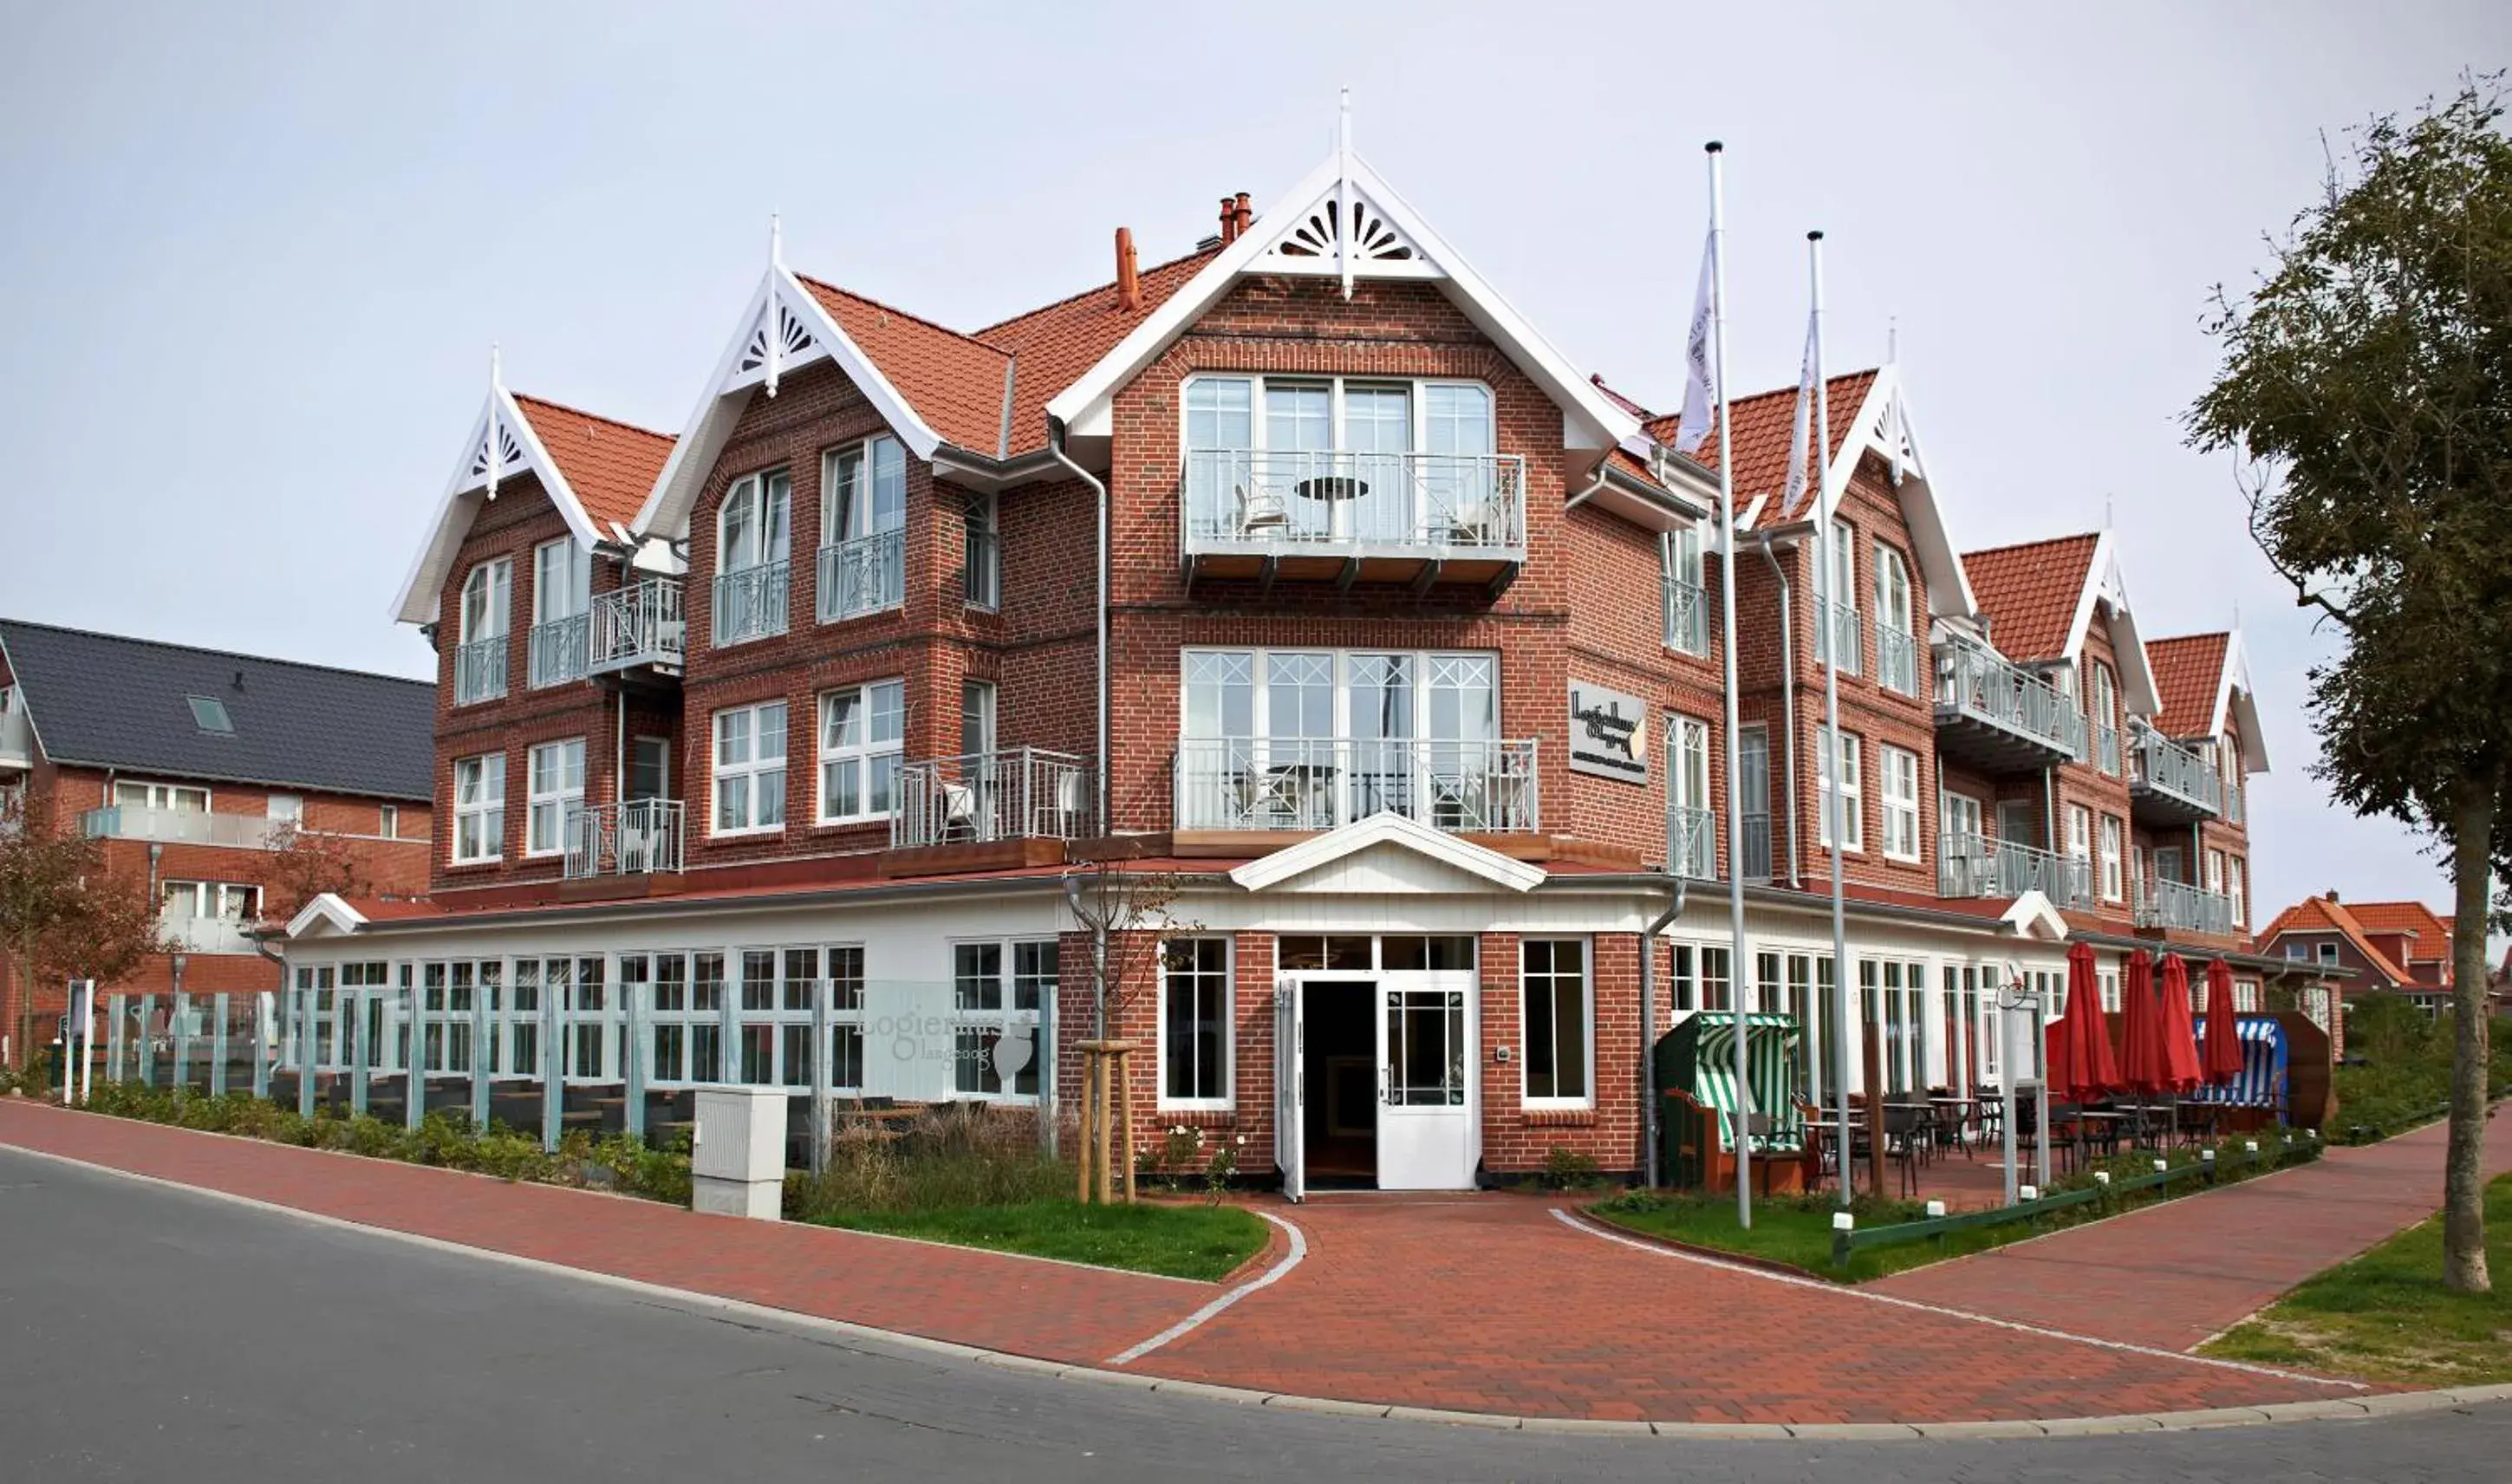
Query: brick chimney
x=1243, y=214
x=1229, y=220
x=1129, y=285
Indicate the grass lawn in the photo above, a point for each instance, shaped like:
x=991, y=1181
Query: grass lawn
x=1181, y=1241
x=2386, y=1316
x=1797, y=1233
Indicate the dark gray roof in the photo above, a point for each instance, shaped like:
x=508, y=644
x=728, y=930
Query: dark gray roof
x=102, y=700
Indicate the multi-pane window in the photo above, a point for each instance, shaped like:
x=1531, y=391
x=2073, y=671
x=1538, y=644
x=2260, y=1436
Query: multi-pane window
x=1851, y=794
x=1900, y=801
x=2238, y=886
x=1554, y=993
x=1194, y=1021
x=650, y=767
x=2080, y=833
x=488, y=596
x=976, y=717
x=479, y=808
x=169, y=798
x=388, y=821
x=861, y=732
x=995, y=991
x=1835, y=603
x=561, y=580
x=981, y=578
x=1896, y=647
x=2112, y=831
x=213, y=900
x=754, y=526
x=863, y=520
x=1687, y=601
x=750, y=769
x=2216, y=872
x=1407, y=460
x=554, y=785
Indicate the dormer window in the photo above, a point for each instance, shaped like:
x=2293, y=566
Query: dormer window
x=1338, y=457
x=753, y=538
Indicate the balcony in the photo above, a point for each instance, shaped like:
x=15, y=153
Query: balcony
x=1970, y=866
x=1997, y=716
x=185, y=826
x=2233, y=792
x=639, y=838
x=2168, y=784
x=1318, y=783
x=186, y=934
x=2106, y=749
x=1020, y=794
x=2169, y=904
x=864, y=575
x=1687, y=617
x=1426, y=519
x=480, y=671
x=1897, y=659
x=17, y=738
x=751, y=602
x=1836, y=625
x=1692, y=844
x=640, y=628
x=561, y=650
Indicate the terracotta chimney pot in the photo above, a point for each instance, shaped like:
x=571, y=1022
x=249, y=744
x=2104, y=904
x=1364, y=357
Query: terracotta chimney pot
x=1130, y=286
x=1243, y=213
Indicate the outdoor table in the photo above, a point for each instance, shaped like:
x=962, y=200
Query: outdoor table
x=1331, y=487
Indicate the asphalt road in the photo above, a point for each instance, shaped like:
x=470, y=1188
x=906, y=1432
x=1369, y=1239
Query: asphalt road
x=150, y=1333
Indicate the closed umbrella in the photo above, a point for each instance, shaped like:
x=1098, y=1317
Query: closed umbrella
x=2183, y=1071
x=2079, y=1044
x=2142, y=1068
x=2223, y=1059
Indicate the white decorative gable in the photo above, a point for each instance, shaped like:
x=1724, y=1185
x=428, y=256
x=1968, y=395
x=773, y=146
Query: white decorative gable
x=781, y=337
x=503, y=446
x=499, y=452
x=1342, y=226
x=2031, y=916
x=1383, y=854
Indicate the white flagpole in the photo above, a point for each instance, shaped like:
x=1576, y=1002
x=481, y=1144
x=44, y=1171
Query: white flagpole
x=770, y=328
x=1343, y=191
x=1822, y=510
x=1740, y=968
x=493, y=449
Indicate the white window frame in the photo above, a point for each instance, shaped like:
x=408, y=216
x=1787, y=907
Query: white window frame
x=2080, y=833
x=1006, y=1012
x=980, y=702
x=1679, y=557
x=159, y=797
x=981, y=515
x=2237, y=886
x=1900, y=801
x=755, y=496
x=2115, y=884
x=284, y=809
x=1261, y=660
x=1228, y=1097
x=487, y=806
x=749, y=771
x=545, y=809
x=1586, y=977
x=866, y=752
x=497, y=609
x=1853, y=791
x=388, y=821
x=1894, y=600
x=2215, y=873
x=573, y=589
x=851, y=520
x=1417, y=407
x=1959, y=813
x=662, y=746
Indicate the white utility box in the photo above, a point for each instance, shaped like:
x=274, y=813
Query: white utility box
x=738, y=1153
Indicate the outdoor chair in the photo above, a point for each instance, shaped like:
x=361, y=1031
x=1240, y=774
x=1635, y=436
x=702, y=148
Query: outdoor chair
x=1260, y=512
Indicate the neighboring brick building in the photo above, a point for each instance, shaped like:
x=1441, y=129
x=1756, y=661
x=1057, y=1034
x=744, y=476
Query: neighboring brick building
x=1412, y=700
x=2395, y=948
x=192, y=764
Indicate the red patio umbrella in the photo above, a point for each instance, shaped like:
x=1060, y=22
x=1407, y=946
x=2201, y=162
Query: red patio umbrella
x=2079, y=1044
x=2223, y=1060
x=2141, y=1060
x=2183, y=1072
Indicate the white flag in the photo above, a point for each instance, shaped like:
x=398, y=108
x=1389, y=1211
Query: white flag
x=1803, y=450
x=1692, y=429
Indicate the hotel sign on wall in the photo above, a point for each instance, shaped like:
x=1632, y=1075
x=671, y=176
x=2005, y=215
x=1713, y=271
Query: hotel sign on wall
x=1608, y=734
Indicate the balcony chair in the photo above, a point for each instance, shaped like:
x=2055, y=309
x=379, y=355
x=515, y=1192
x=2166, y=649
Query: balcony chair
x=960, y=812
x=1262, y=512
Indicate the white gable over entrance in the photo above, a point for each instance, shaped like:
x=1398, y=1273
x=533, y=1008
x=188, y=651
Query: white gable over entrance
x=1383, y=854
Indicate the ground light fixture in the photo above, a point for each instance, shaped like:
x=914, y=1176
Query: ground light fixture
x=2160, y=1165
x=1843, y=1221
x=2103, y=1178
x=1936, y=1208
x=2028, y=1193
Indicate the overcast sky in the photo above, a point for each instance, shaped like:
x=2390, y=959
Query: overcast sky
x=250, y=270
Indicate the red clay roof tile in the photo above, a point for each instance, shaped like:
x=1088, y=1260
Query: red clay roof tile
x=2029, y=593
x=2321, y=914
x=954, y=381
x=2188, y=673
x=610, y=464
x=1764, y=424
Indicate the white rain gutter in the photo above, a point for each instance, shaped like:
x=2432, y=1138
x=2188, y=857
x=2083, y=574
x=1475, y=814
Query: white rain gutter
x=1055, y=445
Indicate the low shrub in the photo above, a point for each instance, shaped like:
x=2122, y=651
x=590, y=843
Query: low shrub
x=955, y=1157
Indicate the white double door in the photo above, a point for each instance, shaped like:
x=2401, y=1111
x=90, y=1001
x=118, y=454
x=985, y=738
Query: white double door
x=1425, y=1027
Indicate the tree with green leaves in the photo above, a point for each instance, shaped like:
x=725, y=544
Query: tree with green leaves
x=63, y=914
x=2366, y=390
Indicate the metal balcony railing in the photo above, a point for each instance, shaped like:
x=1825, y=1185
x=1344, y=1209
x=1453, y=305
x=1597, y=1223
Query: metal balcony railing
x=187, y=826
x=2106, y=748
x=2165, y=902
x=480, y=670
x=1897, y=659
x=751, y=602
x=562, y=649
x=1023, y=792
x=1692, y=843
x=2164, y=770
x=863, y=575
x=1755, y=858
x=17, y=737
x=1317, y=783
x=1238, y=499
x=1836, y=624
x=186, y=934
x=2233, y=792
x=981, y=577
x=640, y=625
x=1970, y=866
x=1976, y=684
x=1687, y=617
x=638, y=837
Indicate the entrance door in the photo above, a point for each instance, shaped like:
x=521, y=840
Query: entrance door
x=1425, y=1116
x=1289, y=1144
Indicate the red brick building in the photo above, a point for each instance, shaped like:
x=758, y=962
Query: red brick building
x=1299, y=574
x=193, y=766
x=2393, y=948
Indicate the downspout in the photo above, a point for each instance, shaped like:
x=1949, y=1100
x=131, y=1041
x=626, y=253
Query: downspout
x=1604, y=465
x=1787, y=696
x=1055, y=445
x=1648, y=1029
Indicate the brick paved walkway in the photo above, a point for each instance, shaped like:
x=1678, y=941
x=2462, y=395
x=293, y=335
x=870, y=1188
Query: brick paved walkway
x=2174, y=1274
x=1480, y=1303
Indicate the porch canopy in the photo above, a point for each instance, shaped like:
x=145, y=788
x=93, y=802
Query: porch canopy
x=1698, y=1058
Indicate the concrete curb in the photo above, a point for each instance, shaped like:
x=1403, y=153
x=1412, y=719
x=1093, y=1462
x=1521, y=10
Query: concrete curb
x=2380, y=1404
